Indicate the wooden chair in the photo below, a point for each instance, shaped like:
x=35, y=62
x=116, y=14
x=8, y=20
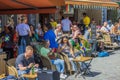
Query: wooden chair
x=68, y=66
x=108, y=42
x=11, y=70
x=2, y=76
x=30, y=76
x=47, y=63
x=11, y=62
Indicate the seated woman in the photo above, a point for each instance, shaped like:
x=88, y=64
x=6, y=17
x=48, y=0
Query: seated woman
x=66, y=47
x=45, y=51
x=33, y=37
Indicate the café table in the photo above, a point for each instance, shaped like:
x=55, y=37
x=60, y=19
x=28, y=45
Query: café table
x=30, y=76
x=82, y=59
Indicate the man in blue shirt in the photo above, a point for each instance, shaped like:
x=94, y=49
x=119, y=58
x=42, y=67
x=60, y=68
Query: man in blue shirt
x=23, y=32
x=66, y=25
x=50, y=35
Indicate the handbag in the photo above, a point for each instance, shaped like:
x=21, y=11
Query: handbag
x=52, y=56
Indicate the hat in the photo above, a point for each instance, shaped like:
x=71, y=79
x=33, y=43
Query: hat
x=58, y=25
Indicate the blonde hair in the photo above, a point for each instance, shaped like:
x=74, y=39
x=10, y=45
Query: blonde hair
x=29, y=48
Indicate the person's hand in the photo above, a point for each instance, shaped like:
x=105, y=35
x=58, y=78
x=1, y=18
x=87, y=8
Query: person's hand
x=53, y=50
x=36, y=65
x=30, y=65
x=64, y=46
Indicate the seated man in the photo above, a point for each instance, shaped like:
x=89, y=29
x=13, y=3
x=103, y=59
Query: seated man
x=25, y=62
x=104, y=28
x=45, y=51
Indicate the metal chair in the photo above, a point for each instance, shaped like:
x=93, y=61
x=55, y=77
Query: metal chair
x=83, y=59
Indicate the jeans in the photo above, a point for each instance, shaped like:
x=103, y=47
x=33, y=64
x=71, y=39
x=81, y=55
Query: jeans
x=59, y=65
x=94, y=45
x=22, y=46
x=118, y=37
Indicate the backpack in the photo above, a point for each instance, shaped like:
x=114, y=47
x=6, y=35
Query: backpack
x=38, y=60
x=103, y=54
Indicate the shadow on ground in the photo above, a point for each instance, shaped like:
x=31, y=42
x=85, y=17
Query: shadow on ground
x=92, y=74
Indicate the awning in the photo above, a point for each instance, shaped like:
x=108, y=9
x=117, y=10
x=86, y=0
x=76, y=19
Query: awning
x=92, y=3
x=29, y=6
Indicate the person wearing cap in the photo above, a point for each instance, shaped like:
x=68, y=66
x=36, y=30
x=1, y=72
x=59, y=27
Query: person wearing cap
x=58, y=31
x=24, y=33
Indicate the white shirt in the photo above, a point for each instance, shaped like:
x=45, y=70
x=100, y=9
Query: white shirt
x=110, y=27
x=104, y=29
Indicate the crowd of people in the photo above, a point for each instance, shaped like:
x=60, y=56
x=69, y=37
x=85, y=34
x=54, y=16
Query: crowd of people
x=65, y=36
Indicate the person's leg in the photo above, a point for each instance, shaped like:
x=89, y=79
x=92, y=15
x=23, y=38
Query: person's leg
x=119, y=38
x=20, y=47
x=58, y=66
x=24, y=45
x=74, y=67
x=82, y=65
x=61, y=62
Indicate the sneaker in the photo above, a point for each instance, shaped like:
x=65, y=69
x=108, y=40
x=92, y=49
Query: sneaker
x=62, y=76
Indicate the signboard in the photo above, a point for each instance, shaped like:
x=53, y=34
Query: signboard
x=69, y=9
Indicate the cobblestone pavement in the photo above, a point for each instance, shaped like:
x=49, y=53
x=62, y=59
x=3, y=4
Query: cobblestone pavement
x=105, y=68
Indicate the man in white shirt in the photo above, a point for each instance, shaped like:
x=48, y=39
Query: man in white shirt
x=66, y=25
x=104, y=28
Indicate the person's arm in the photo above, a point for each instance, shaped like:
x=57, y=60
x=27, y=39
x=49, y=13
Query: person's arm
x=72, y=51
x=29, y=32
x=21, y=67
x=103, y=31
x=56, y=33
x=17, y=34
x=112, y=31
